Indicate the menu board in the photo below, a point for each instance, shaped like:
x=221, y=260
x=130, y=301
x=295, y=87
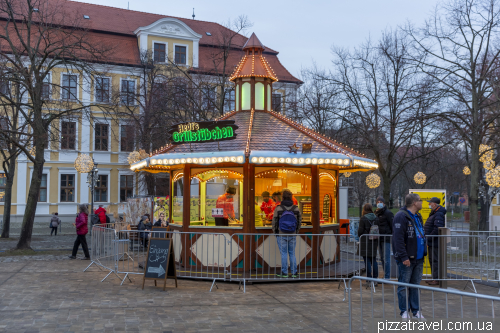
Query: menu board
x=160, y=262
x=295, y=187
x=326, y=207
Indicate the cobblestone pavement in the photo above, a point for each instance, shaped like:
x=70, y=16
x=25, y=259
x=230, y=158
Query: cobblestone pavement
x=56, y=296
x=46, y=242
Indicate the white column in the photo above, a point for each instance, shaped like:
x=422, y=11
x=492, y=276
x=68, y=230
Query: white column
x=22, y=177
x=84, y=188
x=85, y=144
x=195, y=53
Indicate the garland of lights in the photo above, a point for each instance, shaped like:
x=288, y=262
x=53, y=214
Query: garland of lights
x=466, y=171
x=420, y=178
x=261, y=174
x=84, y=163
x=493, y=177
x=197, y=175
x=485, y=153
x=489, y=165
x=326, y=174
x=373, y=180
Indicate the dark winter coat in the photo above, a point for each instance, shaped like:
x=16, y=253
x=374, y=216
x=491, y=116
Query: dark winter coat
x=385, y=218
x=278, y=211
x=144, y=226
x=404, y=237
x=368, y=247
x=435, y=221
x=81, y=224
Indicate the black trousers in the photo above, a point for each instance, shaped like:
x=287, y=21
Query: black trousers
x=81, y=239
x=53, y=229
x=221, y=222
x=433, y=252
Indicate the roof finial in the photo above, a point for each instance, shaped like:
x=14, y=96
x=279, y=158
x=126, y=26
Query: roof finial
x=193, y=14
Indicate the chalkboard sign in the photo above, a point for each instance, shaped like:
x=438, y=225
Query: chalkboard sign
x=161, y=234
x=160, y=262
x=326, y=207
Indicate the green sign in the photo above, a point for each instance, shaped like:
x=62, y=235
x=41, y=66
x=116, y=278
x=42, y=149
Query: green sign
x=206, y=131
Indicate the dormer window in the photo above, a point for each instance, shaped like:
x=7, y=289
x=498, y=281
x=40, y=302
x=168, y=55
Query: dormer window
x=86, y=17
x=159, y=52
x=208, y=33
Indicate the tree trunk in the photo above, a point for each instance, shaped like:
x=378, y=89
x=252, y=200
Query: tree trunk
x=29, y=214
x=474, y=195
x=387, y=190
x=8, y=199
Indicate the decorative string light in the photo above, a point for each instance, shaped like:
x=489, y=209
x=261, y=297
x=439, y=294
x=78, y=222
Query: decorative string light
x=347, y=174
x=489, y=164
x=485, y=153
x=84, y=163
x=466, y=171
x=373, y=180
x=326, y=174
x=263, y=173
x=420, y=178
x=493, y=177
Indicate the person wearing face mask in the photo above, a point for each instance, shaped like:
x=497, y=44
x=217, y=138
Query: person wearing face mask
x=267, y=205
x=385, y=217
x=431, y=227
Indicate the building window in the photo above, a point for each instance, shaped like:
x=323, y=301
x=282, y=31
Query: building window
x=42, y=195
x=69, y=86
x=4, y=125
x=208, y=98
x=180, y=55
x=46, y=87
x=128, y=92
x=3, y=181
x=229, y=100
x=102, y=89
x=276, y=102
x=4, y=87
x=101, y=189
x=101, y=137
x=68, y=135
x=126, y=187
x=127, y=138
x=67, y=188
x=159, y=52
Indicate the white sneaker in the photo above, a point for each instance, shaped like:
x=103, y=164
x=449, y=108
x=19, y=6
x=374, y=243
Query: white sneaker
x=405, y=315
x=419, y=315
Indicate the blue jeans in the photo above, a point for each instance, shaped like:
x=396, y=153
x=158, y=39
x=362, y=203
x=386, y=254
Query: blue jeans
x=413, y=275
x=286, y=244
x=384, y=248
x=369, y=263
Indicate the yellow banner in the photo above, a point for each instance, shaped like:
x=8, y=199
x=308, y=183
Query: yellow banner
x=426, y=195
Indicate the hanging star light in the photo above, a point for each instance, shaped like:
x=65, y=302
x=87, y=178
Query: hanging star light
x=84, y=163
x=347, y=174
x=485, y=153
x=493, y=177
x=420, y=178
x=489, y=165
x=133, y=157
x=373, y=181
x=466, y=171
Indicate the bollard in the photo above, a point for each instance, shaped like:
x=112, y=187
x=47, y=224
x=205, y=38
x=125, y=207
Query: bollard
x=442, y=266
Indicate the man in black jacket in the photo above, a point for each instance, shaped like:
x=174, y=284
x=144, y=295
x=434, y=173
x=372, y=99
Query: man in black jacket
x=434, y=222
x=408, y=245
x=385, y=218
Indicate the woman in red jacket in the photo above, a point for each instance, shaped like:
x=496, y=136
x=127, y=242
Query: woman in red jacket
x=81, y=230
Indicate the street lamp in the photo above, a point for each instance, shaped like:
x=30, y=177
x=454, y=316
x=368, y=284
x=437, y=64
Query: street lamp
x=85, y=164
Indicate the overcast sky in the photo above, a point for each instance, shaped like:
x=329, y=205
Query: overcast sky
x=302, y=31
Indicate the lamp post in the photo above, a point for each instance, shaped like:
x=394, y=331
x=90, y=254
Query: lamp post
x=85, y=164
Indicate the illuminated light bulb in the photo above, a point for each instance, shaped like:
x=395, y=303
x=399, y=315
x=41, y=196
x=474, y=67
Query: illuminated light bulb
x=177, y=161
x=183, y=160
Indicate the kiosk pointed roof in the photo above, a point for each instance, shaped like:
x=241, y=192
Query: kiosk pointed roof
x=253, y=63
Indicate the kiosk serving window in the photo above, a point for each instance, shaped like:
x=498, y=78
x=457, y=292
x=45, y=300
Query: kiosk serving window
x=269, y=185
x=328, y=196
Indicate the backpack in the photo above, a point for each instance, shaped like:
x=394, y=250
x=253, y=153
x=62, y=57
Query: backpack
x=373, y=231
x=287, y=221
x=95, y=219
x=107, y=219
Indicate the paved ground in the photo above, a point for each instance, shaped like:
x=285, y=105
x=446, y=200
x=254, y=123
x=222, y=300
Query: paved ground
x=56, y=296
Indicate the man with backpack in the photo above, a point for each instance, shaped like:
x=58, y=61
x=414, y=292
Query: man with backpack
x=286, y=224
x=101, y=212
x=409, y=247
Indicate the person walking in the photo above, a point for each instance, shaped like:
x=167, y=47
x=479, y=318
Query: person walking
x=286, y=223
x=81, y=230
x=385, y=218
x=54, y=223
x=431, y=227
x=369, y=244
x=408, y=245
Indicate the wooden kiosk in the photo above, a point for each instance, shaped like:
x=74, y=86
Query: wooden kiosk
x=253, y=150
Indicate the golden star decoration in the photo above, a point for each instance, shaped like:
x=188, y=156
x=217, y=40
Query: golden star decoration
x=294, y=148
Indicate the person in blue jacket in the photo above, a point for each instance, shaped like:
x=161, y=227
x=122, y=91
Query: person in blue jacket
x=409, y=247
x=434, y=222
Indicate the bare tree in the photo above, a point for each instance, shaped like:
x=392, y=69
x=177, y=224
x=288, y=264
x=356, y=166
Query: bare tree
x=38, y=38
x=458, y=47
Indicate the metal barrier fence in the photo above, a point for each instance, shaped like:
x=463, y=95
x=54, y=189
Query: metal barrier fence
x=432, y=302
